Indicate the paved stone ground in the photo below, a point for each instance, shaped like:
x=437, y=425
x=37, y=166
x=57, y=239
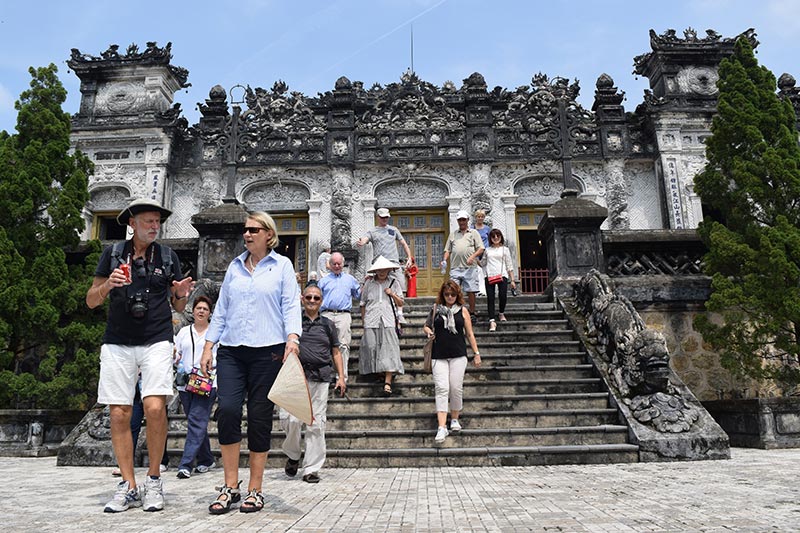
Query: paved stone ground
x=755, y=491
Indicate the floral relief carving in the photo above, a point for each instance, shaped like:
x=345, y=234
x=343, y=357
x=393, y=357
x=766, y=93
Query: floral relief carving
x=272, y=196
x=109, y=198
x=412, y=192
x=543, y=190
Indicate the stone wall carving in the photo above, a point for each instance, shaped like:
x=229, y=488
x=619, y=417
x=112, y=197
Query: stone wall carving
x=412, y=192
x=341, y=201
x=110, y=198
x=126, y=97
x=645, y=204
x=617, y=198
x=539, y=190
x=276, y=196
x=481, y=188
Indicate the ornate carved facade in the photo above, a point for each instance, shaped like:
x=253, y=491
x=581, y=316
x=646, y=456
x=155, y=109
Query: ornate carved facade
x=412, y=146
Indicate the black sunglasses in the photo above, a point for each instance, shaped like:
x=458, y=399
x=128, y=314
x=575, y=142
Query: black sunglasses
x=250, y=230
x=312, y=298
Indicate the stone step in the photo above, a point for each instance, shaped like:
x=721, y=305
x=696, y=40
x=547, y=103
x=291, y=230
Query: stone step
x=411, y=438
x=457, y=456
x=422, y=405
x=413, y=347
x=414, y=326
x=489, y=360
x=535, y=400
x=478, y=388
x=499, y=373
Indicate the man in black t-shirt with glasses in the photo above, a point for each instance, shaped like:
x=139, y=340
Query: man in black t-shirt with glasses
x=140, y=277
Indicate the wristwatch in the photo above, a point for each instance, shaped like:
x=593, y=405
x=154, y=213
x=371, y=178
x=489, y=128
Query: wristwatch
x=296, y=341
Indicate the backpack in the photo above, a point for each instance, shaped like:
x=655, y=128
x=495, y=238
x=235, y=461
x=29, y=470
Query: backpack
x=166, y=257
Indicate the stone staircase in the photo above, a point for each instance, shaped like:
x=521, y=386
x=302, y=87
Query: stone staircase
x=535, y=400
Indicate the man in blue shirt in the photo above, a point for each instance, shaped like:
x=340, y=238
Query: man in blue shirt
x=338, y=291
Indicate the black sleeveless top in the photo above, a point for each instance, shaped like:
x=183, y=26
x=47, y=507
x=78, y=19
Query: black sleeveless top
x=449, y=345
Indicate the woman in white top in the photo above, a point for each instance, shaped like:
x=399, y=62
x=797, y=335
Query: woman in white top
x=499, y=272
x=189, y=344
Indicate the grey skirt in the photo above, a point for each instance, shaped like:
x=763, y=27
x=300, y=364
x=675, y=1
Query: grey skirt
x=379, y=352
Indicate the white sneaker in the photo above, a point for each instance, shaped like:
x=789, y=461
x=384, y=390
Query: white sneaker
x=441, y=435
x=153, y=494
x=163, y=468
x=203, y=469
x=455, y=426
x=124, y=498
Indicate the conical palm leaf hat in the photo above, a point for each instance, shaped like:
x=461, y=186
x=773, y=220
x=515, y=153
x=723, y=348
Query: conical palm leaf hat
x=290, y=390
x=382, y=263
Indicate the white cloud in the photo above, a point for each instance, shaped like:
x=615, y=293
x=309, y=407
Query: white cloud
x=6, y=100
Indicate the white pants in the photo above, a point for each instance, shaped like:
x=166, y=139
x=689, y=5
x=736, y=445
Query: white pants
x=343, y=322
x=315, y=433
x=448, y=380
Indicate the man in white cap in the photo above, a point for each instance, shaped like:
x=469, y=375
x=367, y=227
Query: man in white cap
x=384, y=238
x=463, y=248
x=141, y=277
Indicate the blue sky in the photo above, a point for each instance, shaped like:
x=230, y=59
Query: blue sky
x=309, y=44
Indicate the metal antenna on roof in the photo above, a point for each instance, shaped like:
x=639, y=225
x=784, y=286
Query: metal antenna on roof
x=412, y=47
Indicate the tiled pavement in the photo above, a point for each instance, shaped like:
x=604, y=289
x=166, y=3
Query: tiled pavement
x=755, y=491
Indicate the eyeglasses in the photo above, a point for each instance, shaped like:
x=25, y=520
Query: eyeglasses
x=251, y=230
x=450, y=294
x=312, y=298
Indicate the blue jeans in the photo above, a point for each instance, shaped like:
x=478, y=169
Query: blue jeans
x=198, y=411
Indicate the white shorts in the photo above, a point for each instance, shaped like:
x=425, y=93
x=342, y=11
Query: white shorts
x=468, y=278
x=120, y=366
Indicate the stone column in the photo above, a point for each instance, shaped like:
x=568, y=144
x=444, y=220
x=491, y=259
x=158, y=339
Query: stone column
x=453, y=207
x=365, y=252
x=510, y=212
x=316, y=234
x=571, y=229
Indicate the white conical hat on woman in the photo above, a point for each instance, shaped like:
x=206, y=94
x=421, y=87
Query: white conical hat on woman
x=382, y=263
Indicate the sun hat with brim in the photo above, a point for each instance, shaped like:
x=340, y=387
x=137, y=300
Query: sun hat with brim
x=381, y=263
x=141, y=205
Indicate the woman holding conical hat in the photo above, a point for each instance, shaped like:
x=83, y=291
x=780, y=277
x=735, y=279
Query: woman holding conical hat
x=380, y=347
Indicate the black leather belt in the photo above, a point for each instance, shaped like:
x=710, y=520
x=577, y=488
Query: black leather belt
x=336, y=311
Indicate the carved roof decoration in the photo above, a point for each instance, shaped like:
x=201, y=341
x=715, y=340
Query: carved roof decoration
x=668, y=41
x=279, y=110
x=411, y=104
x=112, y=57
x=787, y=89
